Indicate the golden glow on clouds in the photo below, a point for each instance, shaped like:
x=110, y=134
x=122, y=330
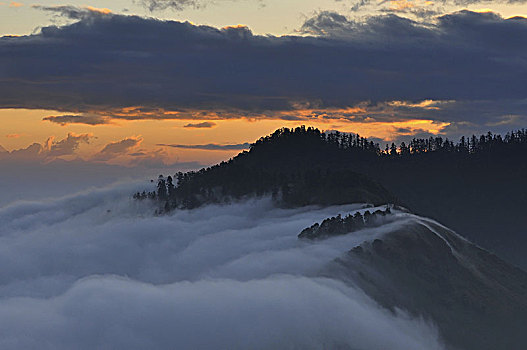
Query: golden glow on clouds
x=425, y=104
x=389, y=131
x=103, y=11
x=236, y=26
x=483, y=10
x=401, y=5
x=150, y=127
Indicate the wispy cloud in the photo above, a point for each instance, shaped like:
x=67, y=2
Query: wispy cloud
x=13, y=136
x=211, y=146
x=180, y=5
x=74, y=12
x=118, y=148
x=78, y=119
x=200, y=125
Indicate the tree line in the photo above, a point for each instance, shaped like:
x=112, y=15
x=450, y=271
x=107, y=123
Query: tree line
x=339, y=225
x=304, y=166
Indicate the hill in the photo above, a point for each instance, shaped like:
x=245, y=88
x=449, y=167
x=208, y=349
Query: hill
x=477, y=186
x=477, y=300
x=297, y=167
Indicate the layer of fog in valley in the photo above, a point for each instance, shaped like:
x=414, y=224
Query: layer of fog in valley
x=99, y=270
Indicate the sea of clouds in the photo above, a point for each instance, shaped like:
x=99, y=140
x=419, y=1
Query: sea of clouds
x=97, y=270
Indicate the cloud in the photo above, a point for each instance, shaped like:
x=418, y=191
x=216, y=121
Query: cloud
x=50, y=149
x=177, y=5
x=36, y=178
x=118, y=148
x=126, y=153
x=66, y=146
x=33, y=151
x=200, y=125
x=13, y=136
x=216, y=277
x=74, y=12
x=467, y=58
x=212, y=146
x=325, y=22
x=78, y=119
x=15, y=4
x=470, y=2
x=180, y=5
x=421, y=9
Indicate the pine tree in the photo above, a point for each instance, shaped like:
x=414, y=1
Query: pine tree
x=161, y=188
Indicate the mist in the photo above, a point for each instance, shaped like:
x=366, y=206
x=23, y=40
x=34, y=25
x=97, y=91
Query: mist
x=99, y=270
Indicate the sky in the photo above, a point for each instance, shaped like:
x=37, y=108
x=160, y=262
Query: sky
x=179, y=84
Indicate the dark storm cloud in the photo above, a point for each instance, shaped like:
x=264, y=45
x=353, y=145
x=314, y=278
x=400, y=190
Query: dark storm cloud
x=212, y=146
x=110, y=62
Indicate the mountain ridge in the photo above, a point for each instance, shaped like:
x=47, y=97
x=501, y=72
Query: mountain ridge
x=478, y=186
x=476, y=299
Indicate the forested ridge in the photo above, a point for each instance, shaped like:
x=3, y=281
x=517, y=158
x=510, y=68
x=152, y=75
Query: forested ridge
x=338, y=225
x=477, y=185
x=289, y=165
x=294, y=164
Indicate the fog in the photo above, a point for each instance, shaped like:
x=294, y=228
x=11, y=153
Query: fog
x=37, y=179
x=98, y=270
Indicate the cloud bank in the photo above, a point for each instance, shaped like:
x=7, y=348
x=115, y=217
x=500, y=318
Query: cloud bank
x=68, y=146
x=49, y=150
x=130, y=67
x=94, y=270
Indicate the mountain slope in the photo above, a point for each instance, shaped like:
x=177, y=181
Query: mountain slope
x=477, y=300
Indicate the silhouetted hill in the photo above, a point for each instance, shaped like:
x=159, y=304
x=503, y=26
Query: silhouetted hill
x=297, y=168
x=477, y=186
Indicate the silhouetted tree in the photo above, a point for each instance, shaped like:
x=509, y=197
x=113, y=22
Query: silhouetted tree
x=170, y=188
x=161, y=188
